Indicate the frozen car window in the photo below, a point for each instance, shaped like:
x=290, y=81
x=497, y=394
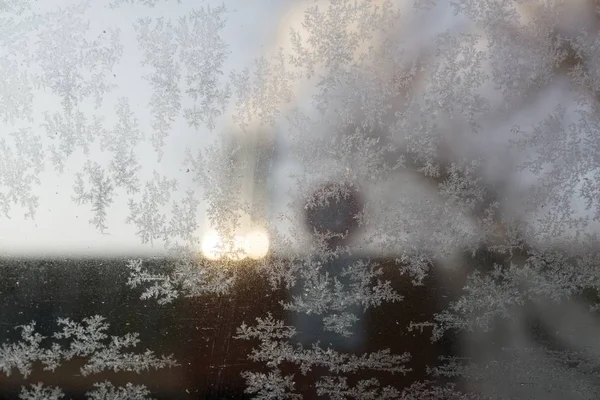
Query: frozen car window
x=297, y=199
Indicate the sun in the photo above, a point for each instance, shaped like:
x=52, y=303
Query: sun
x=254, y=245
x=211, y=246
x=257, y=244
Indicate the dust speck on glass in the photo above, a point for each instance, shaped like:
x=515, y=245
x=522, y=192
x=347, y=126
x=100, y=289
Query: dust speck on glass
x=299, y=199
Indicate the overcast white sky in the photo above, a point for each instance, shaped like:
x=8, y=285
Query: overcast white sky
x=61, y=227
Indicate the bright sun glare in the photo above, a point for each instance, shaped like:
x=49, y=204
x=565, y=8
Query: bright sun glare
x=254, y=245
x=257, y=244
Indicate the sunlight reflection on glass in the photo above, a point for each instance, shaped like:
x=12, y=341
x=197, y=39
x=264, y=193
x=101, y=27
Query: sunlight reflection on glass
x=237, y=250
x=211, y=246
x=257, y=244
x=254, y=245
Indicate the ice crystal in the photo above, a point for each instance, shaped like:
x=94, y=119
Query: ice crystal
x=87, y=339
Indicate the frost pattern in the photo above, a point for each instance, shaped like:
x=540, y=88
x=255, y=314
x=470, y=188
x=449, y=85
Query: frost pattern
x=270, y=386
x=157, y=41
x=203, y=53
x=275, y=348
x=121, y=142
x=331, y=296
x=147, y=3
x=99, y=195
x=20, y=165
x=86, y=339
x=69, y=132
x=104, y=391
x=263, y=92
x=365, y=389
x=146, y=215
x=187, y=277
x=470, y=128
x=85, y=72
x=107, y=391
x=39, y=392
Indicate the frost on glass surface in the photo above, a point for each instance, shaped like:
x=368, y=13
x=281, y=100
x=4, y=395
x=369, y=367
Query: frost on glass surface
x=87, y=339
x=21, y=163
x=107, y=391
x=38, y=392
x=103, y=391
x=157, y=40
x=362, y=151
x=204, y=51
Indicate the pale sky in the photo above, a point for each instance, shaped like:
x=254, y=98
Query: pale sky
x=61, y=227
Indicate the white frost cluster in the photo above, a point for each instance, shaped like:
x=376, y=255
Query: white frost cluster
x=86, y=340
